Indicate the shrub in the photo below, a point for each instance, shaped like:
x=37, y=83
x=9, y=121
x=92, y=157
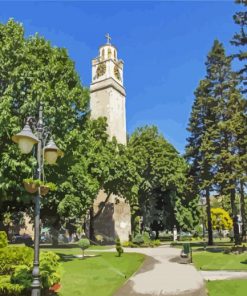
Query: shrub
x=238, y=249
x=156, y=242
x=131, y=245
x=184, y=238
x=10, y=257
x=166, y=236
x=150, y=243
x=16, y=270
x=22, y=276
x=99, y=238
x=3, y=239
x=119, y=248
x=9, y=289
x=83, y=243
x=50, y=269
x=126, y=244
x=146, y=238
x=138, y=239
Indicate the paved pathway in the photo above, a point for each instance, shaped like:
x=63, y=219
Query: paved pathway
x=162, y=276
x=223, y=275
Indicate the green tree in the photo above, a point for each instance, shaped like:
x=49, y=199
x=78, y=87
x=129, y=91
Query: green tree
x=231, y=160
x=221, y=219
x=161, y=180
x=200, y=147
x=240, y=40
x=84, y=244
x=33, y=71
x=218, y=133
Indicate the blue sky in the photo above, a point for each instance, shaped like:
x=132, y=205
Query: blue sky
x=163, y=44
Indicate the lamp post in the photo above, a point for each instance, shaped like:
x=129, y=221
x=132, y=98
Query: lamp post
x=26, y=140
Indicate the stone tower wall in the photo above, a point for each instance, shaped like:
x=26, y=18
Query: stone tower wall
x=107, y=99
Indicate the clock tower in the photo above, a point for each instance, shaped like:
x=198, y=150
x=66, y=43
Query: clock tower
x=107, y=93
x=107, y=99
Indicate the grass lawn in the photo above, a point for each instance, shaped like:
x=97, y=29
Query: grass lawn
x=227, y=288
x=219, y=261
x=101, y=275
x=74, y=250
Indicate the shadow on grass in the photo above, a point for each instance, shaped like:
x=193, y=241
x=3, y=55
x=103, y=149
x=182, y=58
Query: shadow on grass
x=244, y=262
x=68, y=257
x=215, y=250
x=60, y=246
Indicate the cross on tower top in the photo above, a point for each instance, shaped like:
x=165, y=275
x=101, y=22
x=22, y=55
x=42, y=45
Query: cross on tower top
x=108, y=38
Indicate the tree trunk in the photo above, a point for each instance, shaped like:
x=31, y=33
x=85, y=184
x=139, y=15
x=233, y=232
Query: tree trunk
x=237, y=240
x=210, y=229
x=54, y=238
x=243, y=214
x=91, y=224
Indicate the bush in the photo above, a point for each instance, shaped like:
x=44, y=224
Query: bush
x=9, y=289
x=50, y=269
x=99, y=239
x=146, y=238
x=130, y=245
x=83, y=243
x=126, y=244
x=119, y=248
x=238, y=249
x=16, y=270
x=156, y=242
x=10, y=257
x=166, y=236
x=138, y=239
x=22, y=276
x=3, y=239
x=183, y=238
x=146, y=242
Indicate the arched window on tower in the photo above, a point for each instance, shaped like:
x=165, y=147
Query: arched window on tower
x=109, y=53
x=115, y=54
x=103, y=53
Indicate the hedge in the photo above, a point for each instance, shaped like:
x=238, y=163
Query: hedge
x=3, y=239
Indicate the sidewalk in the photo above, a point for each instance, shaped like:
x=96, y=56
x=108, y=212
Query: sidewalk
x=223, y=275
x=161, y=277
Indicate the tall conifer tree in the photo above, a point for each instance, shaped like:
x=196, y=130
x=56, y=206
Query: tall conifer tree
x=240, y=40
x=197, y=149
x=216, y=137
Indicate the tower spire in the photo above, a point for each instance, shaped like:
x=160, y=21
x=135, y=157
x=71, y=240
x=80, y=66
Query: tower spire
x=108, y=38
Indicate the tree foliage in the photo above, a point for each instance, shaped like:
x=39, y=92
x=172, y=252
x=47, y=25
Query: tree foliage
x=240, y=40
x=33, y=71
x=221, y=219
x=217, y=144
x=161, y=171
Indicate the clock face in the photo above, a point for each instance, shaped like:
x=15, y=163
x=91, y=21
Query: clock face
x=117, y=72
x=101, y=69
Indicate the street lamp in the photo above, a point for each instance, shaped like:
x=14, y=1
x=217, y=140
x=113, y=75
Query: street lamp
x=26, y=140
